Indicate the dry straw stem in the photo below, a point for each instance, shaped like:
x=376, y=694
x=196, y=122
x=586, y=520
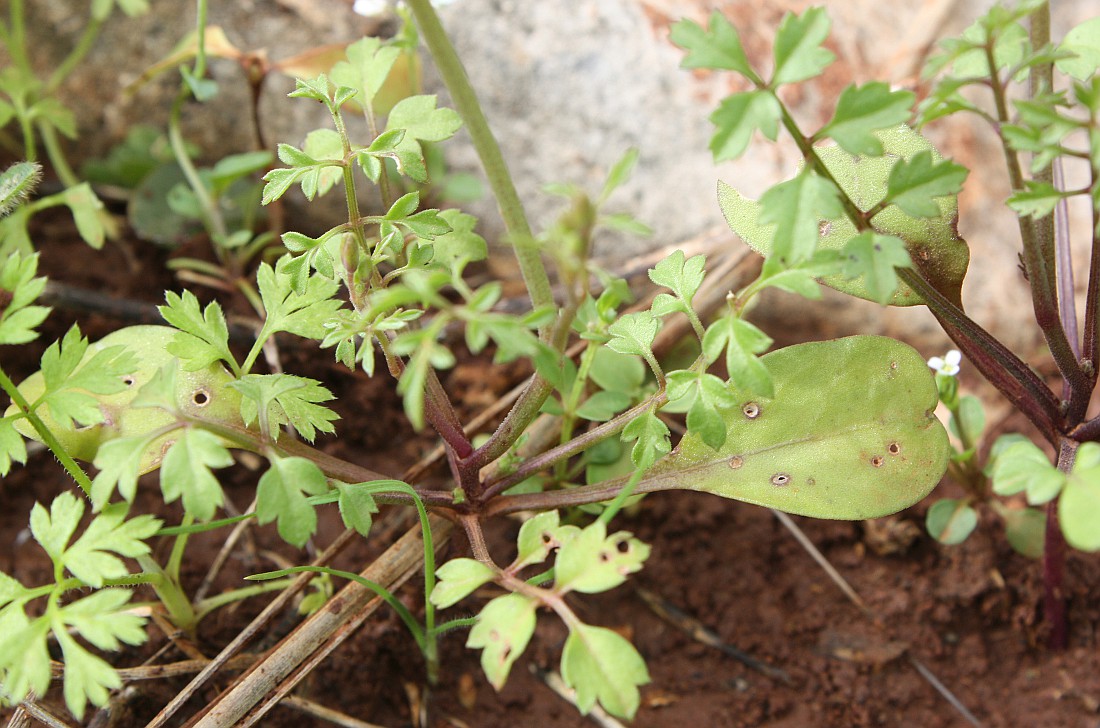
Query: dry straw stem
x=271, y=679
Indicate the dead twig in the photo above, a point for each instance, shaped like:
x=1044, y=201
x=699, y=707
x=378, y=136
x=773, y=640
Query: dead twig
x=247, y=633
x=317, y=710
x=271, y=679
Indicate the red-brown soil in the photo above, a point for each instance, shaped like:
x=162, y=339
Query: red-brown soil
x=971, y=614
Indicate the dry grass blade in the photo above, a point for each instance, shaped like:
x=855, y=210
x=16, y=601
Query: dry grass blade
x=42, y=714
x=272, y=678
x=247, y=634
x=326, y=714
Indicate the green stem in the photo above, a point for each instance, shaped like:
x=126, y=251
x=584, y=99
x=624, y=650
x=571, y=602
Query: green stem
x=208, y=605
x=75, y=471
x=569, y=418
x=57, y=158
x=76, y=55
x=577, y=445
x=175, y=559
x=496, y=170
x=212, y=217
x=170, y=594
x=387, y=596
x=17, y=45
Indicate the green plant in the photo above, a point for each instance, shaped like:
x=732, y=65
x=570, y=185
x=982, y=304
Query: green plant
x=834, y=429
x=885, y=199
x=37, y=107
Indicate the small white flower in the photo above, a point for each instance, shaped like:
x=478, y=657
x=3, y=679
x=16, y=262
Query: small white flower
x=948, y=364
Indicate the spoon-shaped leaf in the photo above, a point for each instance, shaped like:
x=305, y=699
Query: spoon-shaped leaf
x=850, y=434
x=932, y=242
x=202, y=393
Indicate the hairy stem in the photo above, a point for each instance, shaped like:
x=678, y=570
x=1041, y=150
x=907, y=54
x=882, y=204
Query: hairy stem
x=75, y=471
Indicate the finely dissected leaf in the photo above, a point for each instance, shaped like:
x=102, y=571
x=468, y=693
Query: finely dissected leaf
x=458, y=578
x=702, y=394
x=951, y=521
x=52, y=529
x=652, y=437
x=873, y=258
x=73, y=377
x=795, y=208
x=863, y=110
x=24, y=655
x=204, y=335
x=602, y=665
x=850, y=434
x=933, y=243
x=132, y=411
x=1038, y=200
x=281, y=495
x=298, y=312
x=717, y=47
x=104, y=620
x=1079, y=506
x=286, y=399
x=683, y=276
x=12, y=447
x=738, y=117
x=633, y=333
x=120, y=463
x=93, y=557
x=798, y=52
x=421, y=120
x=742, y=341
x=461, y=245
x=916, y=184
x=88, y=679
x=366, y=68
x=356, y=507
x=18, y=319
x=186, y=472
x=503, y=629
x=592, y=562
x=1083, y=40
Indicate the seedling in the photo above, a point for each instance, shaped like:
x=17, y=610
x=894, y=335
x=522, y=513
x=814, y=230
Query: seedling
x=833, y=429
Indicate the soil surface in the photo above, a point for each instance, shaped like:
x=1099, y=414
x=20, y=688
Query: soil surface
x=970, y=615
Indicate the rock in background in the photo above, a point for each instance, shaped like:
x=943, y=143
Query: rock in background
x=568, y=86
